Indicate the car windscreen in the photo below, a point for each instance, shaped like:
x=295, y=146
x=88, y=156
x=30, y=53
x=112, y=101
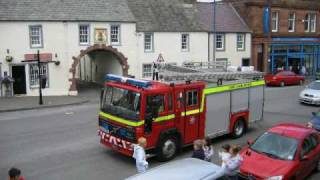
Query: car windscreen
x=121, y=102
x=314, y=85
x=275, y=146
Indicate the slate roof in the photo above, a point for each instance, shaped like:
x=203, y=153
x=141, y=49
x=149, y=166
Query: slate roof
x=227, y=19
x=165, y=16
x=65, y=10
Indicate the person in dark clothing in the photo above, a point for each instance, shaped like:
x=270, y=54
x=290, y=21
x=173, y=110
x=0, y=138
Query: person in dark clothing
x=155, y=72
x=15, y=174
x=198, y=151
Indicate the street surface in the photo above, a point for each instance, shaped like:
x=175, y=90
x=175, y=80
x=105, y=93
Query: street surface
x=62, y=143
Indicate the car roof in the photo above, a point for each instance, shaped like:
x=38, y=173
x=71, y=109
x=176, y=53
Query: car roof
x=184, y=169
x=296, y=131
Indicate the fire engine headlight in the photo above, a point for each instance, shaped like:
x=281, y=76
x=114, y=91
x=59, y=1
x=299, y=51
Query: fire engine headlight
x=275, y=178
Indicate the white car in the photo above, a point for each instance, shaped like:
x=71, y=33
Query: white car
x=184, y=169
x=311, y=94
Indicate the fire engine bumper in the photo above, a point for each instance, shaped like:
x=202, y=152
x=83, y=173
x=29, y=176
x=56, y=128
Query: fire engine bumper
x=115, y=143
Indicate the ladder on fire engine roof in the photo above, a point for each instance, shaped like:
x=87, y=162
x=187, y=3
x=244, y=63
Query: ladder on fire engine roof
x=172, y=74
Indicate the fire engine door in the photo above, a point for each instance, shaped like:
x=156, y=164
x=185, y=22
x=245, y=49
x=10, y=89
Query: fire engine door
x=191, y=115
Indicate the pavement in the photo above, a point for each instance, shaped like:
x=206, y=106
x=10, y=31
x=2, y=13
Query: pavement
x=19, y=103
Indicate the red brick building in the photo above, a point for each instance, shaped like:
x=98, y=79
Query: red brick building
x=286, y=36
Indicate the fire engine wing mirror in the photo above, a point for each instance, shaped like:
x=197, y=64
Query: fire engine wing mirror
x=250, y=142
x=101, y=96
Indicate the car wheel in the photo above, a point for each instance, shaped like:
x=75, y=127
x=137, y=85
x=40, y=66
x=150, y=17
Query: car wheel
x=282, y=84
x=301, y=82
x=238, y=128
x=167, y=148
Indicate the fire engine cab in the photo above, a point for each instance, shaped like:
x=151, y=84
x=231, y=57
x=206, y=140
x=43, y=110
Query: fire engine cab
x=174, y=112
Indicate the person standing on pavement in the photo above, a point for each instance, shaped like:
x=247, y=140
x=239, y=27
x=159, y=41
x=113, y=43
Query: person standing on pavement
x=139, y=155
x=15, y=174
x=208, y=149
x=198, y=151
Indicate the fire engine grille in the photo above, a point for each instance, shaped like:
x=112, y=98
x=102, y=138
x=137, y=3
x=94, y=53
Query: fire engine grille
x=118, y=131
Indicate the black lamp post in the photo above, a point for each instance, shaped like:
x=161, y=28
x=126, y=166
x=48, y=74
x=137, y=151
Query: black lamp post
x=39, y=77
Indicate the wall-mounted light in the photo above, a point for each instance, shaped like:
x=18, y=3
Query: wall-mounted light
x=8, y=57
x=56, y=62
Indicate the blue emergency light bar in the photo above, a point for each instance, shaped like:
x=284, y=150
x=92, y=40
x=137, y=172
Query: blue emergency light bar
x=131, y=81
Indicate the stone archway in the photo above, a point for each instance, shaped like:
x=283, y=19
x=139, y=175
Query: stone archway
x=76, y=60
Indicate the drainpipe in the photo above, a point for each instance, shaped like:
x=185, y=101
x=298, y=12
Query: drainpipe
x=214, y=31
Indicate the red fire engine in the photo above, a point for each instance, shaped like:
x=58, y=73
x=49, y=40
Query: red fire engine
x=173, y=113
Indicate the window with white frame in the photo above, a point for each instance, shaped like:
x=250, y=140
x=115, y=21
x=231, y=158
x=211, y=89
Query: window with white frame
x=148, y=41
x=185, y=42
x=146, y=70
x=310, y=22
x=220, y=41
x=240, y=42
x=115, y=34
x=274, y=21
x=291, y=21
x=313, y=22
x=36, y=36
x=34, y=74
x=84, y=34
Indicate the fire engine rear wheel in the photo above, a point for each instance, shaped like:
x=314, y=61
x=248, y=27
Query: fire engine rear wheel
x=238, y=128
x=167, y=148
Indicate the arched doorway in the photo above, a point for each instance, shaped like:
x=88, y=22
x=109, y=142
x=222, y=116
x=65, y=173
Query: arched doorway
x=102, y=59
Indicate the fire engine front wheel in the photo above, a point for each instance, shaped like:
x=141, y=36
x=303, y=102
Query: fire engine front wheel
x=238, y=128
x=167, y=148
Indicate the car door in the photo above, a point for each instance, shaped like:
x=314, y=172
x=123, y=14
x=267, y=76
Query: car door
x=192, y=115
x=293, y=79
x=308, y=156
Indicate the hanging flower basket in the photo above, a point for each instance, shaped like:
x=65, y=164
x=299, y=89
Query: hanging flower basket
x=9, y=58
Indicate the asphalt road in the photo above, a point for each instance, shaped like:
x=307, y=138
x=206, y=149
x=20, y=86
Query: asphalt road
x=62, y=143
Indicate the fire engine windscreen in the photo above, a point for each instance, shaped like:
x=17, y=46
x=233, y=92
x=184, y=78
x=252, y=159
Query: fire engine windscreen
x=121, y=103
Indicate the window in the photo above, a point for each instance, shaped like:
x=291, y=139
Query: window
x=240, y=42
x=245, y=62
x=170, y=103
x=84, y=34
x=148, y=42
x=220, y=41
x=160, y=99
x=310, y=22
x=185, y=42
x=36, y=36
x=192, y=98
x=291, y=22
x=34, y=76
x=308, y=145
x=147, y=70
x=115, y=34
x=274, y=21
x=313, y=21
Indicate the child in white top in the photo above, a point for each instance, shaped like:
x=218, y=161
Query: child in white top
x=140, y=155
x=208, y=149
x=225, y=155
x=232, y=165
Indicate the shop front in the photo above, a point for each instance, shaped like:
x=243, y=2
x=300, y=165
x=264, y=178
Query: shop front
x=296, y=55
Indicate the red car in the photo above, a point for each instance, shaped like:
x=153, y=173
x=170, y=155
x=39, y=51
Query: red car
x=284, y=152
x=283, y=78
